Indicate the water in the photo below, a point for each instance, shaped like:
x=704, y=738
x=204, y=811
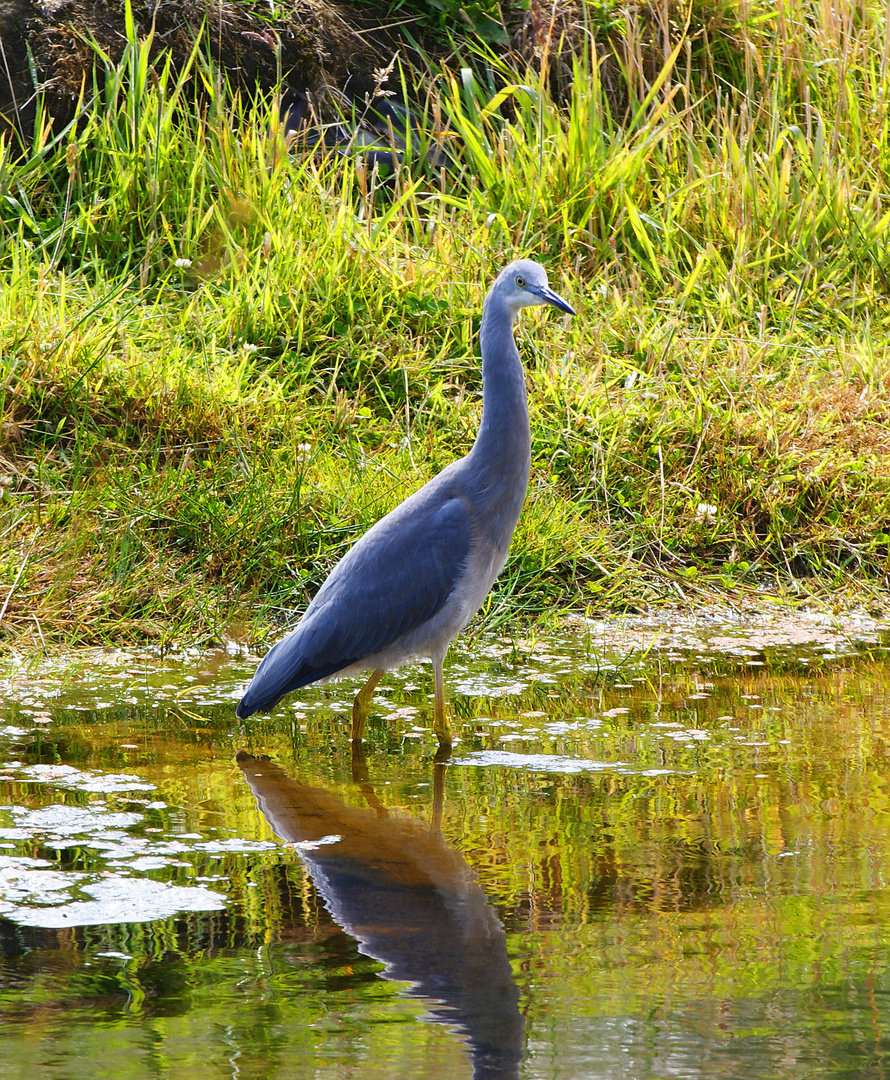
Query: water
x=652, y=856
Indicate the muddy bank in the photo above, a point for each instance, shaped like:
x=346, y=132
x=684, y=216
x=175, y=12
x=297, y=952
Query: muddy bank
x=309, y=45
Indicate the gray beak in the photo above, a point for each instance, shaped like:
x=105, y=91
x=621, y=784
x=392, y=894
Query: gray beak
x=550, y=297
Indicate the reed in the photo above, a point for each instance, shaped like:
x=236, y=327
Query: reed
x=221, y=360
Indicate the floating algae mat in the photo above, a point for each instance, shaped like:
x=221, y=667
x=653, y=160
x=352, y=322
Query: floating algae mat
x=660, y=849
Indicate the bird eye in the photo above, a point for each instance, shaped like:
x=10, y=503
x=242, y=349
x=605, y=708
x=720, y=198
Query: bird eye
x=520, y=281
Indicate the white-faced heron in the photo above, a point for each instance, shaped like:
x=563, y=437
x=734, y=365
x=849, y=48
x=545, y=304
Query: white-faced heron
x=417, y=577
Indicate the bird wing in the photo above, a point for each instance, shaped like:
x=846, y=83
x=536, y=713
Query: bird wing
x=395, y=578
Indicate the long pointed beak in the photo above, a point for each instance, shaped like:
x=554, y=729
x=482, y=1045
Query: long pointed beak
x=550, y=297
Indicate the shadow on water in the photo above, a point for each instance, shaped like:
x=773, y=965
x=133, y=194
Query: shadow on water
x=411, y=902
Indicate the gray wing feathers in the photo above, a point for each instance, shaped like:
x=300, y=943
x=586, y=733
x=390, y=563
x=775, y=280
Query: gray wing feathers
x=395, y=578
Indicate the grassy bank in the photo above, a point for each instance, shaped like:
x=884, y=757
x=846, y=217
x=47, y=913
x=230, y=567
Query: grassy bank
x=222, y=360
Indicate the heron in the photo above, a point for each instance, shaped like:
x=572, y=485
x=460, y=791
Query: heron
x=414, y=580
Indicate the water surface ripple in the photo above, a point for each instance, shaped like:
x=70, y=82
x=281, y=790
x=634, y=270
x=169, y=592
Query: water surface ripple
x=658, y=851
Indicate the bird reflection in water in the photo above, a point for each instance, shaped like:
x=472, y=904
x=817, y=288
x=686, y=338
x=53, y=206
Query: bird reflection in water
x=410, y=901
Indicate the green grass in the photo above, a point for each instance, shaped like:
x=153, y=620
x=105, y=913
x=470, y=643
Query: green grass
x=221, y=361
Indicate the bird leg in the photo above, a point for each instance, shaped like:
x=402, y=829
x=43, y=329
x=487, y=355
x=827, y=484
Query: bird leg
x=440, y=723
x=362, y=704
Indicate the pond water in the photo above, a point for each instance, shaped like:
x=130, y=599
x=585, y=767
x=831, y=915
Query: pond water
x=654, y=853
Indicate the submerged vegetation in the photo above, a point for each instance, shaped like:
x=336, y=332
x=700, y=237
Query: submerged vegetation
x=222, y=357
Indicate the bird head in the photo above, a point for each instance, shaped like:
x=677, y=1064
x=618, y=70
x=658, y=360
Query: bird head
x=524, y=284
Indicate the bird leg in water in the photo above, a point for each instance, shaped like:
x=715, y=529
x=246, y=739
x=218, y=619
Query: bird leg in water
x=362, y=704
x=440, y=723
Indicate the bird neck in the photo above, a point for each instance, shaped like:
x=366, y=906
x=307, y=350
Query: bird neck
x=504, y=440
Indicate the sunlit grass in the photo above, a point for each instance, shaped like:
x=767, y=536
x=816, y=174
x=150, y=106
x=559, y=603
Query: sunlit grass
x=222, y=360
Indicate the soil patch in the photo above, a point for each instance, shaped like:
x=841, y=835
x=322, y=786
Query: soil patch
x=309, y=44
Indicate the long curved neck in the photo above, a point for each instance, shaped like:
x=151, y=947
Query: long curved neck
x=502, y=450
